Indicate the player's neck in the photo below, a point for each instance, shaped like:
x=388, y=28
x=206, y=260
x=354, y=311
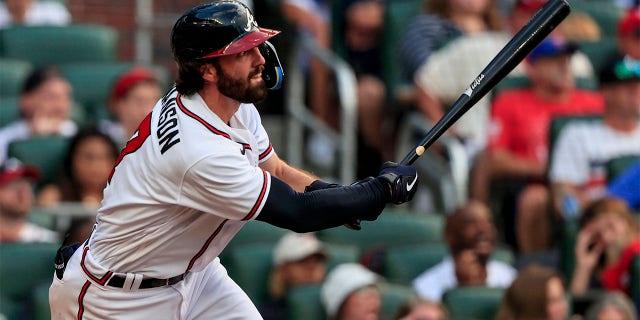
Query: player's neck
x=223, y=106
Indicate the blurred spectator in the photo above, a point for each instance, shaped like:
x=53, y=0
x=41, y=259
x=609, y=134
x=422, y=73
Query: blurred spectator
x=626, y=186
x=16, y=203
x=518, y=137
x=450, y=70
x=417, y=309
x=133, y=95
x=45, y=107
x=33, y=13
x=612, y=306
x=440, y=22
x=471, y=238
x=629, y=34
x=608, y=239
x=350, y=292
x=298, y=259
x=577, y=168
x=362, y=38
x=537, y=293
x=87, y=165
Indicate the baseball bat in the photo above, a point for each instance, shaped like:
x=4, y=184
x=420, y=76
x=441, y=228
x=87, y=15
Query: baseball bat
x=523, y=42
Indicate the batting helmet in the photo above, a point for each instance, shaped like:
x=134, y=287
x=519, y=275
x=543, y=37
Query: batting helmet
x=214, y=29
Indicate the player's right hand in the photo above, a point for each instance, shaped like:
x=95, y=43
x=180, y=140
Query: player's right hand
x=402, y=180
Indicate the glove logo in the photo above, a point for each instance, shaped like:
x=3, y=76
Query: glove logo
x=413, y=183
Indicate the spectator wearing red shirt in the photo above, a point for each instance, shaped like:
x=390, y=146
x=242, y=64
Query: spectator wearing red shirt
x=518, y=146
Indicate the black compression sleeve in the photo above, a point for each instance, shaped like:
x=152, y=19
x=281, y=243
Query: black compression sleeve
x=322, y=209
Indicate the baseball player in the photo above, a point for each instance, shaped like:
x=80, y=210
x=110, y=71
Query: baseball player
x=197, y=169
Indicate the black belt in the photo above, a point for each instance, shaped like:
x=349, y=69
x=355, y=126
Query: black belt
x=118, y=282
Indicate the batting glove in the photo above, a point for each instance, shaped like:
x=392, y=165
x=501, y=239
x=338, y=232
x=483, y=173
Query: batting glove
x=402, y=180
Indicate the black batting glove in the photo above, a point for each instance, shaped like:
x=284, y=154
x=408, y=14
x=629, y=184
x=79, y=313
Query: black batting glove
x=319, y=185
x=402, y=180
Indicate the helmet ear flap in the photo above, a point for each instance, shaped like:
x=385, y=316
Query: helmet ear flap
x=273, y=74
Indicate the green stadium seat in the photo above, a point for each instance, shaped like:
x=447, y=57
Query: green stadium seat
x=599, y=52
x=92, y=84
x=398, y=15
x=304, y=302
x=394, y=295
x=605, y=13
x=40, y=302
x=9, y=110
x=45, y=152
x=57, y=45
x=23, y=266
x=257, y=232
x=618, y=165
x=478, y=303
x=13, y=72
x=390, y=229
x=404, y=263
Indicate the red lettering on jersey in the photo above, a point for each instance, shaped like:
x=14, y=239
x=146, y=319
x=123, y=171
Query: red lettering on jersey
x=143, y=132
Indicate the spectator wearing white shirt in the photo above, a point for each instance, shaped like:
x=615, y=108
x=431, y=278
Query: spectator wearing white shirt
x=471, y=237
x=579, y=157
x=33, y=13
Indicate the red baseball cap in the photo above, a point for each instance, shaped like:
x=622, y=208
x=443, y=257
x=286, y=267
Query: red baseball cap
x=530, y=5
x=129, y=79
x=13, y=170
x=630, y=22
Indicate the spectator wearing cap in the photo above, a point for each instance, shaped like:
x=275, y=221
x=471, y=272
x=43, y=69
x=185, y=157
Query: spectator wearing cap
x=16, y=202
x=45, y=109
x=351, y=292
x=133, y=95
x=629, y=34
x=518, y=138
x=298, y=259
x=577, y=168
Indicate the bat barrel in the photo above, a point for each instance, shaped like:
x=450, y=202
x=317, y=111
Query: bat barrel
x=540, y=26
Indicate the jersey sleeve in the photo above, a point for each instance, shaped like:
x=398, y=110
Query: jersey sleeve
x=221, y=185
x=567, y=161
x=253, y=123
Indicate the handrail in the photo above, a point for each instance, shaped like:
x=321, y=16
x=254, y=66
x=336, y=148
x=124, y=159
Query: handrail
x=300, y=116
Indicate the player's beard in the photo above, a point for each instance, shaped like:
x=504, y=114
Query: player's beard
x=241, y=89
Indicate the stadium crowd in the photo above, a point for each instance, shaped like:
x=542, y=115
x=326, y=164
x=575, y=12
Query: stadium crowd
x=547, y=222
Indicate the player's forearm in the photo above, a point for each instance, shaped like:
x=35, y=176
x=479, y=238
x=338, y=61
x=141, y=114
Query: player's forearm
x=298, y=179
x=322, y=209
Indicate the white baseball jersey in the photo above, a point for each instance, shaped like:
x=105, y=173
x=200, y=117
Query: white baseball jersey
x=182, y=188
x=582, y=151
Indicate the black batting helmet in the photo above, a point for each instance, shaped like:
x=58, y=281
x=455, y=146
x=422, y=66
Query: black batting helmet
x=214, y=29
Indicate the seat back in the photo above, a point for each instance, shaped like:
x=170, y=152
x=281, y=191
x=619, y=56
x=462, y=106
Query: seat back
x=478, y=303
x=24, y=266
x=398, y=15
x=45, y=152
x=599, y=51
x=634, y=280
x=605, y=13
x=402, y=264
x=618, y=165
x=9, y=109
x=389, y=230
x=13, y=72
x=46, y=45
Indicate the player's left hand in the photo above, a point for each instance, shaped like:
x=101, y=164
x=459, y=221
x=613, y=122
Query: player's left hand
x=402, y=180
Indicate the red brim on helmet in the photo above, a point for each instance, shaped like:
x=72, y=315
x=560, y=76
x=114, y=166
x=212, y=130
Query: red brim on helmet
x=248, y=41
